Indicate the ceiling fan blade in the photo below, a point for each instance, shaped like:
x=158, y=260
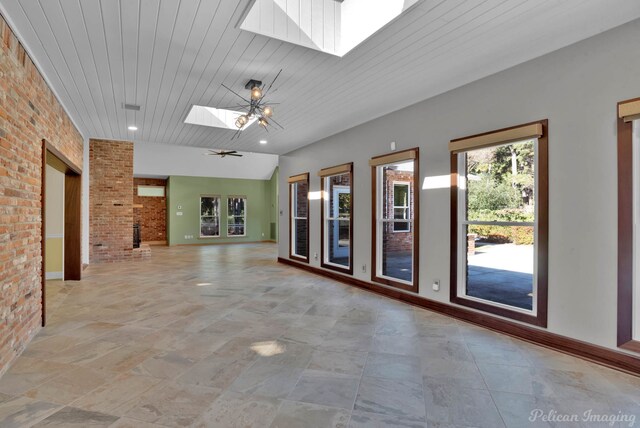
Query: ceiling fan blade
x=231, y=154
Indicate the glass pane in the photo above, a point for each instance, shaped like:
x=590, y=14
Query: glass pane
x=401, y=195
x=300, y=199
x=235, y=206
x=338, y=242
x=500, y=261
x=209, y=206
x=501, y=183
x=209, y=226
x=236, y=229
x=397, y=188
x=400, y=213
x=397, y=252
x=338, y=188
x=301, y=237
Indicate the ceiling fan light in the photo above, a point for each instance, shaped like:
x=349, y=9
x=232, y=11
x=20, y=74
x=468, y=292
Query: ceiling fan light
x=241, y=121
x=268, y=111
x=256, y=93
x=263, y=122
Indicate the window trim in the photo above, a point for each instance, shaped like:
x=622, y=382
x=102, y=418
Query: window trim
x=625, y=339
x=404, y=155
x=304, y=177
x=539, y=317
x=229, y=197
x=324, y=174
x=200, y=235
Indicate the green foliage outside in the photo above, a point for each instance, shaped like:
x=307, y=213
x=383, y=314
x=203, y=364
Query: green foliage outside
x=500, y=188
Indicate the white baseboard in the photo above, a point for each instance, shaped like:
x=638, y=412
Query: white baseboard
x=54, y=275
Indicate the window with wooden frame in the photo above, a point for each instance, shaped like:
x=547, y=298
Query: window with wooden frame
x=394, y=256
x=499, y=222
x=209, y=216
x=629, y=225
x=299, y=217
x=336, y=226
x=236, y=216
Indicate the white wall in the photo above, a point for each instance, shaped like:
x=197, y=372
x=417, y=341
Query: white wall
x=151, y=159
x=577, y=89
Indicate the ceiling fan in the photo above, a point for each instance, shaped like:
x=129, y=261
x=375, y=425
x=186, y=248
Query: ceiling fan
x=223, y=153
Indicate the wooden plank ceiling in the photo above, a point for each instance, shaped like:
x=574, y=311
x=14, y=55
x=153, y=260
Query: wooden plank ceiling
x=167, y=55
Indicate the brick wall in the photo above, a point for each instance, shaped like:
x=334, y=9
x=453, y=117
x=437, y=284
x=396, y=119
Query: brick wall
x=152, y=216
x=110, y=201
x=29, y=112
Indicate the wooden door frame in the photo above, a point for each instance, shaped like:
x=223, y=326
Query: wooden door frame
x=72, y=219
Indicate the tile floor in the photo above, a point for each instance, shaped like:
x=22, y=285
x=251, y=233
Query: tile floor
x=223, y=336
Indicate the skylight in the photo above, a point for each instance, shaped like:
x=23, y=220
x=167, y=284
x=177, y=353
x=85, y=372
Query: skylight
x=331, y=26
x=215, y=117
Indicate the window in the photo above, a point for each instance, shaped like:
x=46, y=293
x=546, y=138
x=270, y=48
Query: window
x=152, y=191
x=401, y=208
x=236, y=216
x=500, y=232
x=209, y=216
x=336, y=218
x=629, y=225
x=395, y=218
x=299, y=217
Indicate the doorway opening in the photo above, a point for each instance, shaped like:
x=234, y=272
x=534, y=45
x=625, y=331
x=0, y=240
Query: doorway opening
x=61, y=228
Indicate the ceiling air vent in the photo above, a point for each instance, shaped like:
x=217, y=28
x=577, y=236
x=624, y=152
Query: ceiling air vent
x=131, y=107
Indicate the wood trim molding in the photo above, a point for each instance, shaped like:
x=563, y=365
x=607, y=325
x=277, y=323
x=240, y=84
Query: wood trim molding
x=43, y=230
x=577, y=348
x=346, y=168
x=57, y=153
x=542, y=190
x=335, y=170
x=414, y=155
x=299, y=177
x=500, y=136
x=625, y=236
x=296, y=179
x=394, y=157
x=629, y=110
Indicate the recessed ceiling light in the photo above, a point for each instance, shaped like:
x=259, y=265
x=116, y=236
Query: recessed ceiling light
x=263, y=141
x=133, y=128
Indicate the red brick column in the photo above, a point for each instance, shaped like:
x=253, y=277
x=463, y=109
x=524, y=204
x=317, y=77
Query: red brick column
x=110, y=201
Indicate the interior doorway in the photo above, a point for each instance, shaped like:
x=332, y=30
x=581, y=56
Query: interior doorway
x=65, y=242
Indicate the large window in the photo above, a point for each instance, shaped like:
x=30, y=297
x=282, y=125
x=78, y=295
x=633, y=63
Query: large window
x=236, y=216
x=629, y=225
x=209, y=216
x=299, y=217
x=395, y=219
x=336, y=218
x=500, y=228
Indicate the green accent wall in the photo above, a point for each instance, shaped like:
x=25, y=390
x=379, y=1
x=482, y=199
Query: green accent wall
x=262, y=207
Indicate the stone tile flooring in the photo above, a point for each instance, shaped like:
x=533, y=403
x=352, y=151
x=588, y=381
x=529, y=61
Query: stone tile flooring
x=223, y=336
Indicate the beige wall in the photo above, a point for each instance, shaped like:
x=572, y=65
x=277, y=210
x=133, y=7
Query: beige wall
x=54, y=223
x=577, y=89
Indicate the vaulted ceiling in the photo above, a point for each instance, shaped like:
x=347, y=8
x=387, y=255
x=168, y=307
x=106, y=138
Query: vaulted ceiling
x=167, y=55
